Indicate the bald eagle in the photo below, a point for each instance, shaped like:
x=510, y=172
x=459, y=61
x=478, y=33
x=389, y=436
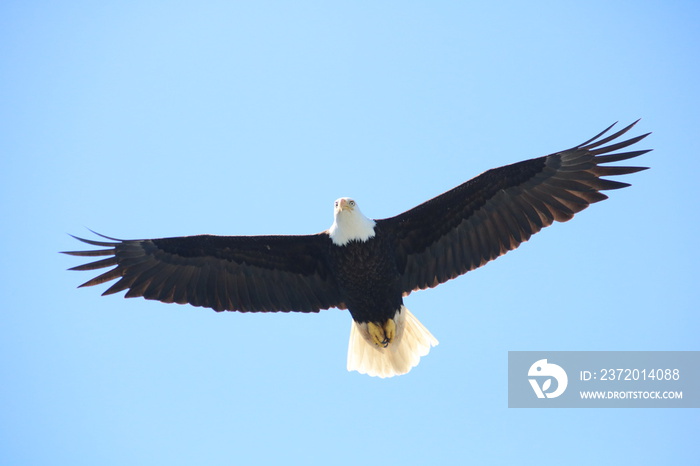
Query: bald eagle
x=368, y=266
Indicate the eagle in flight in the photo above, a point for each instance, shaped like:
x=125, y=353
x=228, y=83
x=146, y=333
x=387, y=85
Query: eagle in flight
x=367, y=266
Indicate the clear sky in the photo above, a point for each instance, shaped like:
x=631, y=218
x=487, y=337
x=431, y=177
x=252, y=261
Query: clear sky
x=151, y=119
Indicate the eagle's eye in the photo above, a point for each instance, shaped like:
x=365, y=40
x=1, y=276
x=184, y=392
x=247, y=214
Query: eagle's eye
x=352, y=203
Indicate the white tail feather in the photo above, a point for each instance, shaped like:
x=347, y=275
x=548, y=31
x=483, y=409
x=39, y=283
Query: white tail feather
x=412, y=341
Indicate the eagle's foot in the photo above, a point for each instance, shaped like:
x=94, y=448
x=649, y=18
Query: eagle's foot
x=382, y=334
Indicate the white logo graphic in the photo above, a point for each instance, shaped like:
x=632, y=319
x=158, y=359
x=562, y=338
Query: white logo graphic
x=543, y=369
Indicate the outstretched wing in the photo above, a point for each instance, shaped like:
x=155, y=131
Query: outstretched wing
x=493, y=213
x=232, y=273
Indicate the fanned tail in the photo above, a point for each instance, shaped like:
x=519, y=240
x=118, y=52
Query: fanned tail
x=412, y=342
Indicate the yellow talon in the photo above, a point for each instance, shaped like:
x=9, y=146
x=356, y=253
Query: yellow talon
x=389, y=330
x=382, y=334
x=377, y=333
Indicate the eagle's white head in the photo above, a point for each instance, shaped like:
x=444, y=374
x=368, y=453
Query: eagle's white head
x=349, y=223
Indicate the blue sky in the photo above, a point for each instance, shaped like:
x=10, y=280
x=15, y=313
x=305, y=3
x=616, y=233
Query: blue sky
x=152, y=119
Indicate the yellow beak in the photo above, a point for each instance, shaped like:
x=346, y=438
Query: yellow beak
x=345, y=205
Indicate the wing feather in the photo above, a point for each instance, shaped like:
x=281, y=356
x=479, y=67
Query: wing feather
x=495, y=212
x=233, y=273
